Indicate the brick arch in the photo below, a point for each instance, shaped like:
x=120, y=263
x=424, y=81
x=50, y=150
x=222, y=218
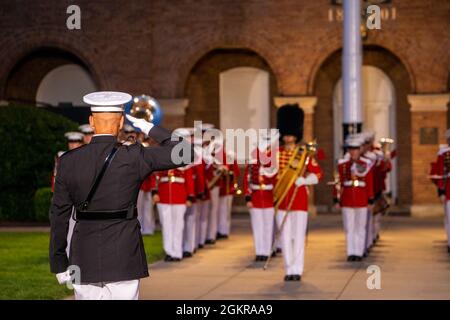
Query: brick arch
x=203, y=43
x=334, y=46
x=326, y=78
x=24, y=44
x=202, y=85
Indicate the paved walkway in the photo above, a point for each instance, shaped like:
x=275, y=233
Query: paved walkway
x=412, y=256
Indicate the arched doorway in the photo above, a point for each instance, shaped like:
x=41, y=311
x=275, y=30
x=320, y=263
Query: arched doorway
x=379, y=113
x=324, y=87
x=65, y=85
x=49, y=76
x=244, y=98
x=208, y=88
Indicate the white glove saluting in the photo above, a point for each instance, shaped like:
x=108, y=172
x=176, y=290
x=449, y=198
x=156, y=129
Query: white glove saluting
x=141, y=124
x=63, y=277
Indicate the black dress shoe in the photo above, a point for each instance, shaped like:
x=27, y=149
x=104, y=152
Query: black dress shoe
x=168, y=258
x=288, y=278
x=264, y=258
x=210, y=241
x=357, y=258
x=448, y=249
x=187, y=254
x=351, y=258
x=176, y=259
x=258, y=258
x=221, y=236
x=296, y=277
x=279, y=250
x=274, y=254
x=200, y=246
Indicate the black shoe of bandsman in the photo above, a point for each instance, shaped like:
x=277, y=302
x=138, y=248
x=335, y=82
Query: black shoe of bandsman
x=351, y=258
x=258, y=258
x=279, y=250
x=288, y=278
x=168, y=258
x=274, y=254
x=200, y=246
x=448, y=249
x=187, y=254
x=221, y=236
x=264, y=258
x=357, y=258
x=210, y=241
x=296, y=277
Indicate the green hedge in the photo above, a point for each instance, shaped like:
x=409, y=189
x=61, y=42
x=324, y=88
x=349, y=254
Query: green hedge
x=30, y=139
x=42, y=199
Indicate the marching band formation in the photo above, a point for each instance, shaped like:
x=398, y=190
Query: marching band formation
x=194, y=202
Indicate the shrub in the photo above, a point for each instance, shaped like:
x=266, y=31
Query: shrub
x=42, y=199
x=30, y=138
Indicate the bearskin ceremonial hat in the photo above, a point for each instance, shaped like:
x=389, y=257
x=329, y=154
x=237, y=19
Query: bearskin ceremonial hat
x=290, y=119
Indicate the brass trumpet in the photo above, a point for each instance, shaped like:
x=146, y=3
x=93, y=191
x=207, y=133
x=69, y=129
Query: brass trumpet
x=145, y=107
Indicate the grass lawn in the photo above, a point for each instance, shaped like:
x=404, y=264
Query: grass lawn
x=25, y=271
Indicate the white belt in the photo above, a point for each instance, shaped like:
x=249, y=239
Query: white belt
x=354, y=183
x=172, y=179
x=261, y=186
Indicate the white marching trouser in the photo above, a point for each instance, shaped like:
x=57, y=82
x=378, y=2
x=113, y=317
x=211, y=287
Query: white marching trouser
x=355, y=220
x=369, y=229
x=224, y=214
x=262, y=220
x=172, y=222
x=121, y=290
x=377, y=224
x=212, y=221
x=146, y=216
x=447, y=220
x=293, y=240
x=202, y=224
x=190, y=228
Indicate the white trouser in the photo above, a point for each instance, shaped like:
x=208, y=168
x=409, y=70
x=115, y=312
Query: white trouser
x=190, y=228
x=369, y=229
x=146, y=216
x=224, y=220
x=212, y=221
x=262, y=225
x=172, y=222
x=202, y=225
x=121, y=290
x=377, y=224
x=447, y=220
x=355, y=229
x=293, y=240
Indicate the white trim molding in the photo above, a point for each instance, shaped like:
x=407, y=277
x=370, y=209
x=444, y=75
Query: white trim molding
x=307, y=103
x=174, y=107
x=429, y=102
